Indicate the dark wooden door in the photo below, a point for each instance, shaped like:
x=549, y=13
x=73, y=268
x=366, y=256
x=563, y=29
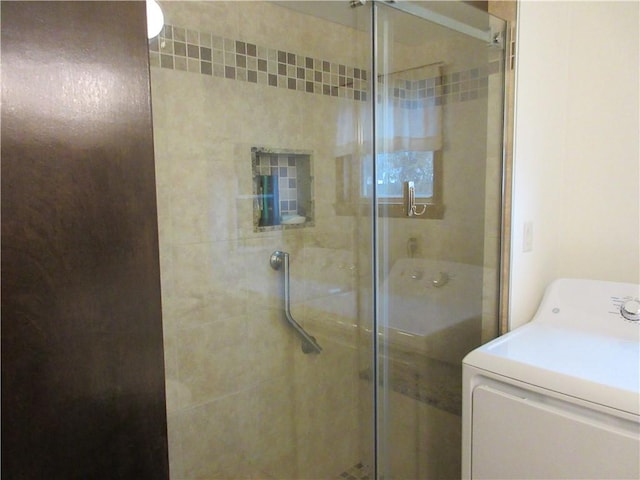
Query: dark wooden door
x=82, y=360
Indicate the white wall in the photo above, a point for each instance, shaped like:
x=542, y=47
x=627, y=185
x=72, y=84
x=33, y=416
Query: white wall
x=576, y=160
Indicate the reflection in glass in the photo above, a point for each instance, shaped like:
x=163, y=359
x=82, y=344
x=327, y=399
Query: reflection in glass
x=396, y=168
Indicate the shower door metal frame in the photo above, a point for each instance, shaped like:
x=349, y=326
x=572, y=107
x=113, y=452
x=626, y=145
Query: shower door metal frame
x=434, y=17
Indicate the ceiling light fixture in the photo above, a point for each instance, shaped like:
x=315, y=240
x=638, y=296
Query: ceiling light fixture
x=155, y=19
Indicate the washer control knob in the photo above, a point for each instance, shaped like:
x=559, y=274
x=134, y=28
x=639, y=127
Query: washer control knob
x=631, y=310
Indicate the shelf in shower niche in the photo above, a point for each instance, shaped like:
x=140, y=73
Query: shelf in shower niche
x=282, y=189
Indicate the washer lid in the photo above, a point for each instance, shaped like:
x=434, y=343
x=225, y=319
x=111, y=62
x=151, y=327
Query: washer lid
x=573, y=349
x=591, y=305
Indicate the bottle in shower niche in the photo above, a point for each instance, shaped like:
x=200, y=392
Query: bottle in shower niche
x=269, y=200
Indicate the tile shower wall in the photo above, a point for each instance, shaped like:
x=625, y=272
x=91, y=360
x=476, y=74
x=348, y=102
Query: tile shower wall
x=243, y=401
x=230, y=363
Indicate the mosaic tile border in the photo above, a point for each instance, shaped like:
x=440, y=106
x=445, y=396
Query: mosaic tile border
x=459, y=86
x=426, y=380
x=360, y=471
x=179, y=48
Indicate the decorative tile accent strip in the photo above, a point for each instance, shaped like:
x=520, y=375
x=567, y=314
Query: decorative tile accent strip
x=360, y=471
x=284, y=167
x=179, y=48
x=460, y=86
x=426, y=380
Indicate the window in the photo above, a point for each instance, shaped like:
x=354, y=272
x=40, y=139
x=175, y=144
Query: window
x=354, y=184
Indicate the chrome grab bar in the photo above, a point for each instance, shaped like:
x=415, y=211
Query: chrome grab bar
x=281, y=259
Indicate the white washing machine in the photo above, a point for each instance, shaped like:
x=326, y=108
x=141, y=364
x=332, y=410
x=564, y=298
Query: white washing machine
x=559, y=397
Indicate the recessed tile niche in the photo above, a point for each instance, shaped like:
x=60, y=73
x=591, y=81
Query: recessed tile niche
x=282, y=189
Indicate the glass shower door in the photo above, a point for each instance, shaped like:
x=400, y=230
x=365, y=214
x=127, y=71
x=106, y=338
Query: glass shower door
x=264, y=141
x=259, y=116
x=437, y=187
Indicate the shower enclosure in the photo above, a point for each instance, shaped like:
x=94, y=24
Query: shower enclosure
x=329, y=198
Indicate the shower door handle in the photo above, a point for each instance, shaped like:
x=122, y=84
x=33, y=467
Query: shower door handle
x=410, y=205
x=281, y=259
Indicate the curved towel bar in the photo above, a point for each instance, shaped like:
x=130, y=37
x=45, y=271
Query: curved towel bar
x=281, y=259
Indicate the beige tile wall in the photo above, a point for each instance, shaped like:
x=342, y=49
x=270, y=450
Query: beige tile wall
x=243, y=401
